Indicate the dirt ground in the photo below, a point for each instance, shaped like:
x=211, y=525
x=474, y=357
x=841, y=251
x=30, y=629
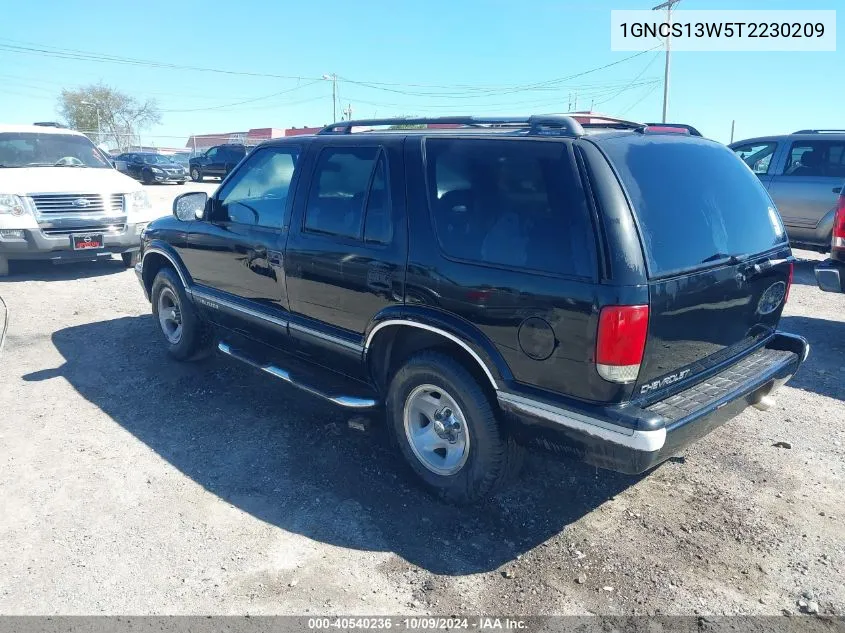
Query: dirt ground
x=133, y=484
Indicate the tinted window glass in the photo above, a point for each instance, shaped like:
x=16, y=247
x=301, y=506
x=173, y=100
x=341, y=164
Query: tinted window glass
x=336, y=198
x=758, y=156
x=511, y=203
x=257, y=193
x=695, y=201
x=36, y=149
x=816, y=159
x=378, y=225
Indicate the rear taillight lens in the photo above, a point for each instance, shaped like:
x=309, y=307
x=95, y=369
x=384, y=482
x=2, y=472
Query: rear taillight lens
x=838, y=241
x=789, y=282
x=621, y=342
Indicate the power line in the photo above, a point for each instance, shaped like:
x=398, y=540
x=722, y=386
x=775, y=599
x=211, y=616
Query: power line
x=237, y=103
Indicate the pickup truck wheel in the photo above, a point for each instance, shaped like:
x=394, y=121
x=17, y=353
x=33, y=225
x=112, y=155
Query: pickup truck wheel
x=186, y=335
x=447, y=431
x=196, y=174
x=129, y=259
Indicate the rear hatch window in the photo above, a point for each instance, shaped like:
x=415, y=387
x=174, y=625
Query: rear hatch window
x=695, y=201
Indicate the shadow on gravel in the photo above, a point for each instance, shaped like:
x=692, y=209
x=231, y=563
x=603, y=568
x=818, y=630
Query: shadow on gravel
x=25, y=270
x=824, y=371
x=290, y=460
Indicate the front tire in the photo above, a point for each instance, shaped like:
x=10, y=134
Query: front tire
x=186, y=335
x=180, y=182
x=196, y=174
x=447, y=430
x=147, y=178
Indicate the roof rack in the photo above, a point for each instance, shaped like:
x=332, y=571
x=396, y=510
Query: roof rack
x=546, y=124
x=48, y=124
x=819, y=132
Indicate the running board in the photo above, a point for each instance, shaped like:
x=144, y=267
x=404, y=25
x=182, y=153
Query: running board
x=346, y=401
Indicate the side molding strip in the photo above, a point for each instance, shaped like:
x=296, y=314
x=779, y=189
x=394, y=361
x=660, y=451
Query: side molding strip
x=204, y=297
x=430, y=328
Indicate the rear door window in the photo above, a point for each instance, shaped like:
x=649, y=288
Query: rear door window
x=338, y=192
x=817, y=159
x=514, y=203
x=695, y=201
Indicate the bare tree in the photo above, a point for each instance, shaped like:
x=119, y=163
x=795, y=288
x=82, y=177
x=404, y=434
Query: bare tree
x=107, y=115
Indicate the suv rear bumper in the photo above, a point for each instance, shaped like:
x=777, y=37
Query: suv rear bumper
x=633, y=438
x=829, y=275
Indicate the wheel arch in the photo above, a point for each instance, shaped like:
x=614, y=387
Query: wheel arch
x=395, y=335
x=159, y=255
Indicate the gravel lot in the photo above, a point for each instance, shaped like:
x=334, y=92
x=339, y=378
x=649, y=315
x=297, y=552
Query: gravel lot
x=132, y=484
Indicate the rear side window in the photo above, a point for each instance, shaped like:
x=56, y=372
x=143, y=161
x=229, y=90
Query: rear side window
x=819, y=159
x=695, y=201
x=516, y=204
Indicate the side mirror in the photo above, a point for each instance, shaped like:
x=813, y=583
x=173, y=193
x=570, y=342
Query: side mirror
x=190, y=206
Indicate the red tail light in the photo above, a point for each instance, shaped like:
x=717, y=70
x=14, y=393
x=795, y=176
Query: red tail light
x=789, y=282
x=838, y=241
x=621, y=341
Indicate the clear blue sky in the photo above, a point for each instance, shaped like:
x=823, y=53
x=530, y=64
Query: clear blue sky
x=473, y=51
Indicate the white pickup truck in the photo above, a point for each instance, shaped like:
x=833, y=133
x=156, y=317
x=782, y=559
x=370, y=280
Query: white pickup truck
x=61, y=198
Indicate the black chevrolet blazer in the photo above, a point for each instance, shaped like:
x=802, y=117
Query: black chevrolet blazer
x=609, y=291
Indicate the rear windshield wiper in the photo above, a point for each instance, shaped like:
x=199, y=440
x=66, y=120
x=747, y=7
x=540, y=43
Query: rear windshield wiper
x=727, y=258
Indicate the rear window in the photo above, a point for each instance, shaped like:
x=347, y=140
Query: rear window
x=695, y=200
x=516, y=204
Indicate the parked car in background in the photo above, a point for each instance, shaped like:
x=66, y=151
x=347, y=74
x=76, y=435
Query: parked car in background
x=830, y=274
x=151, y=168
x=60, y=198
x=804, y=173
x=496, y=285
x=182, y=158
x=216, y=162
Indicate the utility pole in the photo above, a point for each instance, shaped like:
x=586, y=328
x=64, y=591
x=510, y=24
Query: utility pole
x=347, y=112
x=668, y=6
x=733, y=126
x=333, y=78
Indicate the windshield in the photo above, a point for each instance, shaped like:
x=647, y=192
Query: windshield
x=34, y=149
x=697, y=203
x=156, y=159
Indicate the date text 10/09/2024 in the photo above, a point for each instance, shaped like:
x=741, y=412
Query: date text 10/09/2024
x=423, y=623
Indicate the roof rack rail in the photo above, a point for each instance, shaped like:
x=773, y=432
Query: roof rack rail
x=819, y=132
x=674, y=127
x=48, y=124
x=537, y=124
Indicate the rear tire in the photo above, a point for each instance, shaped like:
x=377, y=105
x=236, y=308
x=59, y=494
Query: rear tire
x=434, y=387
x=129, y=259
x=196, y=174
x=186, y=335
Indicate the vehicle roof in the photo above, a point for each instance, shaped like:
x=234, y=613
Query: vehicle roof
x=37, y=129
x=596, y=134
x=796, y=136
